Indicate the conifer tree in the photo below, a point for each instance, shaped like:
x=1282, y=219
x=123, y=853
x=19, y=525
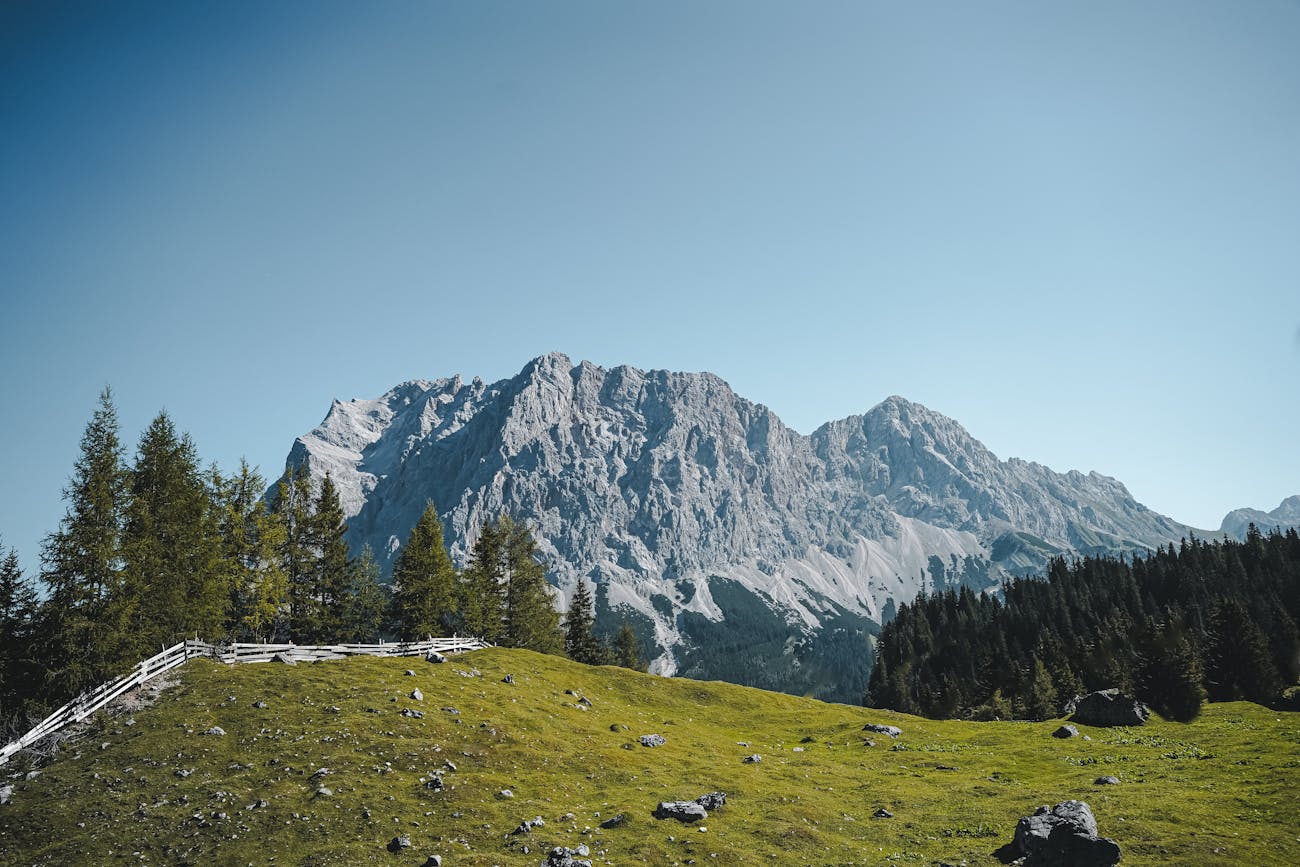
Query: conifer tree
x=81, y=645
x=580, y=644
x=251, y=539
x=424, y=593
x=626, y=650
x=292, y=517
x=482, y=586
x=175, y=586
x=1171, y=678
x=332, y=570
x=18, y=667
x=1240, y=666
x=531, y=620
x=367, y=601
x=1038, y=697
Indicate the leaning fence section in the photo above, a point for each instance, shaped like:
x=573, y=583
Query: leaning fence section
x=87, y=703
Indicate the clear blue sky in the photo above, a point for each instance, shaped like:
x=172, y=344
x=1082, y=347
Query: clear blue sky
x=1073, y=227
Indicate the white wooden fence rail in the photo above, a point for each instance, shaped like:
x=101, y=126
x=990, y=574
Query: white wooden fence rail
x=87, y=703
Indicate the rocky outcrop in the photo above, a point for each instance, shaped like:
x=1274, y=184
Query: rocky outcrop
x=681, y=500
x=682, y=811
x=1063, y=836
x=1236, y=522
x=1107, y=707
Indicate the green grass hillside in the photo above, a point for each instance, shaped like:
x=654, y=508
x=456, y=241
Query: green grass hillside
x=1222, y=790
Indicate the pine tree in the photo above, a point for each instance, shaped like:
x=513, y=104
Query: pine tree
x=482, y=586
x=18, y=667
x=1171, y=678
x=81, y=565
x=531, y=620
x=1038, y=699
x=292, y=517
x=250, y=541
x=580, y=644
x=367, y=601
x=332, y=570
x=626, y=648
x=424, y=595
x=174, y=582
x=1240, y=666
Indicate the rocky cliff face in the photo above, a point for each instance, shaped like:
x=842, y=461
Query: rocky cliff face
x=741, y=548
x=1287, y=514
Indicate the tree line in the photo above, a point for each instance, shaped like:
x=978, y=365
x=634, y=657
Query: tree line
x=1184, y=623
x=158, y=549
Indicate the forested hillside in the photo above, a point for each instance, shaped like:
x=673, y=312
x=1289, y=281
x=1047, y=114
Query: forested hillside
x=1199, y=619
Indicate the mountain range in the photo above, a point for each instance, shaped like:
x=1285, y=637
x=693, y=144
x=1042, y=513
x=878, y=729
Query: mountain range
x=738, y=548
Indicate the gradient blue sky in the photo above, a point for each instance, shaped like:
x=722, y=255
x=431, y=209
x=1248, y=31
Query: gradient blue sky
x=1073, y=227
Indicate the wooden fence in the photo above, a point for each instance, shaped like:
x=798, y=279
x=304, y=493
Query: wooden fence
x=87, y=703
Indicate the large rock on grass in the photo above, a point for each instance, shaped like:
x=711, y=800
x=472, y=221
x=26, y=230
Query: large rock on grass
x=1107, y=707
x=1063, y=836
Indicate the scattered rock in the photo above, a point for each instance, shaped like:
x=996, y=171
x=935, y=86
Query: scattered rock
x=216, y=730
x=184, y=772
x=807, y=739
x=618, y=727
x=451, y=710
x=324, y=792
x=1106, y=781
x=435, y=656
x=433, y=861
x=752, y=760
x=1066, y=731
x=260, y=705
x=892, y=731
x=1063, y=836
x=868, y=743
x=417, y=695
x=682, y=811
x=585, y=701
x=563, y=856
x=410, y=673
x=6, y=793
x=1107, y=707
x=712, y=801
x=320, y=772
x=397, y=844
x=614, y=821
x=652, y=740
x=413, y=714
x=882, y=813
x=505, y=795
x=509, y=678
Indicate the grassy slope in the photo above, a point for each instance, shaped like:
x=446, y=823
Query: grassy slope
x=1219, y=791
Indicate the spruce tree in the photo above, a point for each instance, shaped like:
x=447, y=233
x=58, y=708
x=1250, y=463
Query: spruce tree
x=18, y=666
x=1240, y=665
x=174, y=582
x=250, y=541
x=292, y=518
x=81, y=645
x=531, y=620
x=332, y=570
x=424, y=593
x=626, y=648
x=580, y=644
x=1038, y=699
x=367, y=601
x=482, y=586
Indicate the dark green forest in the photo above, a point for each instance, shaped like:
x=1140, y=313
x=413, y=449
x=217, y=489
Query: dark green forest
x=155, y=548
x=1184, y=623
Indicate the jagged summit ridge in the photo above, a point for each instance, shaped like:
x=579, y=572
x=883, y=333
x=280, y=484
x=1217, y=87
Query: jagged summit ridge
x=655, y=485
x=1287, y=514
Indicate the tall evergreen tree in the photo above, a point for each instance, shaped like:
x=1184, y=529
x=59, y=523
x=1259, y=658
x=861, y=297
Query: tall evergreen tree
x=332, y=569
x=174, y=581
x=482, y=586
x=251, y=540
x=531, y=620
x=1038, y=696
x=424, y=593
x=291, y=512
x=626, y=652
x=18, y=666
x=580, y=644
x=367, y=602
x=81, y=565
x=1240, y=666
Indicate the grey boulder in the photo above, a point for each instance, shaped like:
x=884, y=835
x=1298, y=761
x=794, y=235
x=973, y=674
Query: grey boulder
x=1064, y=836
x=682, y=811
x=1107, y=707
x=1066, y=731
x=652, y=740
x=892, y=731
